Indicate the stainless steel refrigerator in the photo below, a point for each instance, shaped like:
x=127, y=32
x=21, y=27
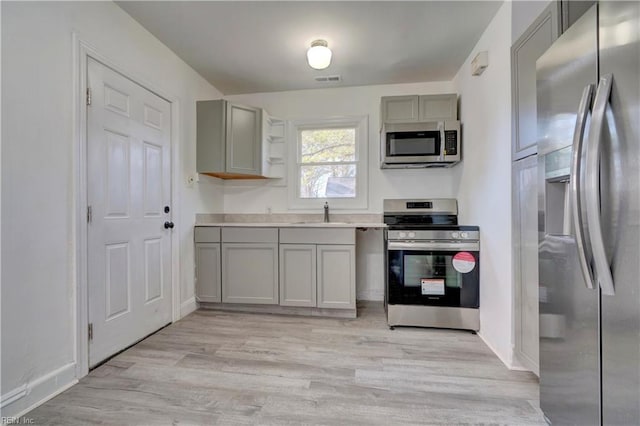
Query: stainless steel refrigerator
x=588, y=105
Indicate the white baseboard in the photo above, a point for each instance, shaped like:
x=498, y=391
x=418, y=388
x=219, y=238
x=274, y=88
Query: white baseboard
x=187, y=307
x=522, y=362
x=371, y=295
x=28, y=396
x=505, y=361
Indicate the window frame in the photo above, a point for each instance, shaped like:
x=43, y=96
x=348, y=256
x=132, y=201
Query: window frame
x=360, y=124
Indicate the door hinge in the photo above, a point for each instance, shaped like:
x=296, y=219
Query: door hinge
x=89, y=214
x=88, y=95
x=90, y=331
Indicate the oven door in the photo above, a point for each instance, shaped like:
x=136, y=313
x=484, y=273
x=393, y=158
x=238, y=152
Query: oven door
x=433, y=273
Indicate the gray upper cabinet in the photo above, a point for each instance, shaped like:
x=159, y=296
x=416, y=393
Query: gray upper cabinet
x=414, y=108
x=229, y=139
x=399, y=109
x=572, y=10
x=244, y=139
x=438, y=107
x=524, y=53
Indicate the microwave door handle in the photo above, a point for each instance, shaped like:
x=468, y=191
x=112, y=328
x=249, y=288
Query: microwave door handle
x=592, y=186
x=577, y=186
x=443, y=147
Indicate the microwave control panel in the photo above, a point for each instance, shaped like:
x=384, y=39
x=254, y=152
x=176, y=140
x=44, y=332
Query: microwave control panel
x=451, y=142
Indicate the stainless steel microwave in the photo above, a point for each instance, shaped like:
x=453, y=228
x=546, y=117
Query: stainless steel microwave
x=417, y=145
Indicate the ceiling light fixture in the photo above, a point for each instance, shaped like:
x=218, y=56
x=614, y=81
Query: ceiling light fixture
x=319, y=55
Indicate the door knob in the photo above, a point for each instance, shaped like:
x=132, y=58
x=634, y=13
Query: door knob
x=168, y=225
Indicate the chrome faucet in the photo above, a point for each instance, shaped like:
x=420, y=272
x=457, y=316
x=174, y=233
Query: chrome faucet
x=326, y=212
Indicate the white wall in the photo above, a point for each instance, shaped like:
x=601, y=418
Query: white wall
x=257, y=197
x=363, y=100
x=38, y=195
x=484, y=180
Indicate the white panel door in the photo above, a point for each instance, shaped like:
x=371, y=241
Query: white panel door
x=129, y=178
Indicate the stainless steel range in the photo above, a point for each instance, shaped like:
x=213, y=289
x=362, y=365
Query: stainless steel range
x=433, y=265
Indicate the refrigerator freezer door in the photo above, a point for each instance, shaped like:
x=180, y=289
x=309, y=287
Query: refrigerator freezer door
x=569, y=340
x=619, y=28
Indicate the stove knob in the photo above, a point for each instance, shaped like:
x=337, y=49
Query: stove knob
x=455, y=235
x=403, y=235
x=464, y=235
x=412, y=234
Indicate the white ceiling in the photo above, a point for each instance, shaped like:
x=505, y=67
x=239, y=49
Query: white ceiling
x=247, y=47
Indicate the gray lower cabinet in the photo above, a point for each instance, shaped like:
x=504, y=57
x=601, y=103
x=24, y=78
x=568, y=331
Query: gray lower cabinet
x=208, y=269
x=320, y=260
x=208, y=272
x=250, y=265
x=336, y=276
x=297, y=267
x=250, y=273
x=298, y=275
x=525, y=257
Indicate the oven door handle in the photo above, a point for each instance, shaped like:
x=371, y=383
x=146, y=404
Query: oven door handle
x=435, y=246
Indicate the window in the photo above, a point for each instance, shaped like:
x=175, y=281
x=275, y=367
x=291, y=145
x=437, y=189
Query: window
x=329, y=163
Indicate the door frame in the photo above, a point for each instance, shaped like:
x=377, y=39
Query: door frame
x=81, y=52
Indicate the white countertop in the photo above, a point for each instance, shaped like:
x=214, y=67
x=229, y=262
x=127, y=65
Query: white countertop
x=294, y=225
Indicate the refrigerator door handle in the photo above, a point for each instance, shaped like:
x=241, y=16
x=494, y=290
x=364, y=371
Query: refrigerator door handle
x=592, y=178
x=577, y=187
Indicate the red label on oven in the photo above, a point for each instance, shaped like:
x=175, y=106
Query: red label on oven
x=464, y=262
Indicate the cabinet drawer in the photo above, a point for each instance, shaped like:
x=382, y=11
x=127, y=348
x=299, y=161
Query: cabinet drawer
x=249, y=235
x=317, y=235
x=207, y=234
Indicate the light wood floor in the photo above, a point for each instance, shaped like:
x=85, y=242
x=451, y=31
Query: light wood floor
x=232, y=368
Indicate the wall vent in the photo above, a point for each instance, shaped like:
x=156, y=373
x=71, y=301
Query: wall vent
x=328, y=78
